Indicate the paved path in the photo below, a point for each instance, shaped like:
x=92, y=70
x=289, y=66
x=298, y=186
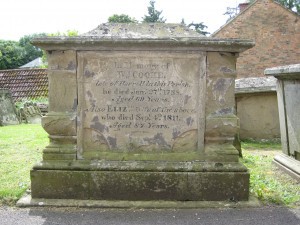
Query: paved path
x=71, y=216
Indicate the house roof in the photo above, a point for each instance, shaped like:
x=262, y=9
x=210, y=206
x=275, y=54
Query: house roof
x=245, y=10
x=25, y=83
x=36, y=63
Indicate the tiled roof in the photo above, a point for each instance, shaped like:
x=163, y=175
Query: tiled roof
x=25, y=83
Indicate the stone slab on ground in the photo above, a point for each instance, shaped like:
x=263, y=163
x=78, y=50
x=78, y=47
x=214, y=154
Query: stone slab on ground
x=288, y=165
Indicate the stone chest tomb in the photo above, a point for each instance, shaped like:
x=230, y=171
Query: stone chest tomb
x=141, y=112
x=288, y=92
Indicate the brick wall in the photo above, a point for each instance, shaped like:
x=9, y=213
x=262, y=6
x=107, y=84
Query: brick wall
x=276, y=32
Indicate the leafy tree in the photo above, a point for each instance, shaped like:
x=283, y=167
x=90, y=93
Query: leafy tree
x=31, y=52
x=11, y=55
x=122, y=18
x=199, y=27
x=15, y=54
x=154, y=16
x=291, y=4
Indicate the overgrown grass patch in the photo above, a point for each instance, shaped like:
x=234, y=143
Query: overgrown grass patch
x=267, y=182
x=20, y=148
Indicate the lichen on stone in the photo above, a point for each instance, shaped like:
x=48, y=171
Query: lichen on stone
x=142, y=30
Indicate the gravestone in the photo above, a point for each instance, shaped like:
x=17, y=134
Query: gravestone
x=141, y=112
x=7, y=109
x=30, y=113
x=288, y=95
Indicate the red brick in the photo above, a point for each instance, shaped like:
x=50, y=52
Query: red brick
x=276, y=31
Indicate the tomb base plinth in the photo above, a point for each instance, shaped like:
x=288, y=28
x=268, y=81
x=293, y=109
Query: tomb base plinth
x=140, y=181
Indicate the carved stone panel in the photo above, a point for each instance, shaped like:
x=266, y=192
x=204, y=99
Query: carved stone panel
x=141, y=102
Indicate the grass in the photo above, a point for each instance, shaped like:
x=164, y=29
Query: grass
x=20, y=148
x=263, y=145
x=267, y=182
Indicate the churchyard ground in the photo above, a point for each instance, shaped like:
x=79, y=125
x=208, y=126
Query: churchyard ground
x=21, y=147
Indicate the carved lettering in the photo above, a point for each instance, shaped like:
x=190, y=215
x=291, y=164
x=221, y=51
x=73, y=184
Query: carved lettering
x=138, y=97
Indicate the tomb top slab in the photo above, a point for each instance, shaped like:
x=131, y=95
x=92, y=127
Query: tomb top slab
x=284, y=72
x=255, y=84
x=142, y=30
x=142, y=36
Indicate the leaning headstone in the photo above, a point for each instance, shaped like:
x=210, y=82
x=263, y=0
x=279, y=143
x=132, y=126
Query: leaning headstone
x=288, y=94
x=31, y=113
x=8, y=114
x=141, y=112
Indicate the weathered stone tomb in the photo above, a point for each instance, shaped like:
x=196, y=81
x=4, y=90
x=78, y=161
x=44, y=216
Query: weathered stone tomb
x=288, y=94
x=141, y=112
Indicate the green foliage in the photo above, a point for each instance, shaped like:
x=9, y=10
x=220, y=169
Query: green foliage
x=262, y=144
x=199, y=27
x=15, y=54
x=31, y=52
x=12, y=55
x=20, y=148
x=267, y=183
x=153, y=14
x=290, y=4
x=68, y=33
x=122, y=18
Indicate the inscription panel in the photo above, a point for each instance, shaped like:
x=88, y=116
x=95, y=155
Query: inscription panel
x=138, y=102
